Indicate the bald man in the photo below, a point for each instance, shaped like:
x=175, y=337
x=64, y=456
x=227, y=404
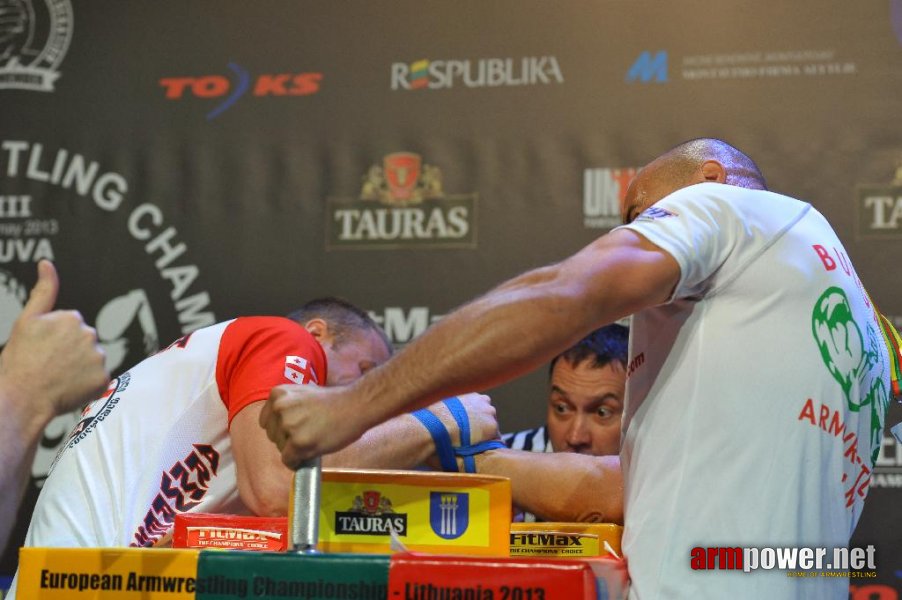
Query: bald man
x=758, y=374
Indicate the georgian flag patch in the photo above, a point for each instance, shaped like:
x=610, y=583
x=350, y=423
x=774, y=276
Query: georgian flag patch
x=299, y=370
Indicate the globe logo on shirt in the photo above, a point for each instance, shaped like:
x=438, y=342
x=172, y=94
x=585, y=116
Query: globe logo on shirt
x=853, y=361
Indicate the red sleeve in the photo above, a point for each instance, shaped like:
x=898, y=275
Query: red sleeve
x=259, y=353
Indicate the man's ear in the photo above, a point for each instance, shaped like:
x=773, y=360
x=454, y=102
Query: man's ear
x=319, y=329
x=713, y=171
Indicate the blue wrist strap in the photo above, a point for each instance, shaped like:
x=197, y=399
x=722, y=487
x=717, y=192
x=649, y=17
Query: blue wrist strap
x=440, y=437
x=446, y=452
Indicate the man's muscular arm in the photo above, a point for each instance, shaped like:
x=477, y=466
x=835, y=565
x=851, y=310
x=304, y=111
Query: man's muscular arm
x=560, y=486
x=400, y=443
x=404, y=443
x=508, y=332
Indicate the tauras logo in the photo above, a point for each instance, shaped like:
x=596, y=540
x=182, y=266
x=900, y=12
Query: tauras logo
x=880, y=209
x=355, y=524
x=34, y=39
x=483, y=72
x=371, y=514
x=402, y=203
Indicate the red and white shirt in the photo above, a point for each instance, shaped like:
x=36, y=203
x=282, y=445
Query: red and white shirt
x=157, y=443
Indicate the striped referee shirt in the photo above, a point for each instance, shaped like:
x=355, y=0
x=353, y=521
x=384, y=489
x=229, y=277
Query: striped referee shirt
x=529, y=440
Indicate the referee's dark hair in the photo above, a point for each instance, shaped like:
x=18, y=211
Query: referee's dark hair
x=603, y=346
x=341, y=316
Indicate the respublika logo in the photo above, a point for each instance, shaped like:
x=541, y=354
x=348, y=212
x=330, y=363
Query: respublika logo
x=880, y=209
x=449, y=514
x=648, y=68
x=229, y=92
x=603, y=191
x=476, y=73
x=33, y=43
x=402, y=203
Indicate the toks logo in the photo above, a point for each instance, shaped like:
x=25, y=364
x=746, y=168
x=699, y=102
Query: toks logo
x=219, y=86
x=33, y=42
x=414, y=211
x=880, y=209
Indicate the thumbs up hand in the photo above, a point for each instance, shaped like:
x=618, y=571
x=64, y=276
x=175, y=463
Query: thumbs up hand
x=51, y=363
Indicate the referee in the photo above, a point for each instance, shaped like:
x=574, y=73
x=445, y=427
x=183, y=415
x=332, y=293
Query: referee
x=585, y=399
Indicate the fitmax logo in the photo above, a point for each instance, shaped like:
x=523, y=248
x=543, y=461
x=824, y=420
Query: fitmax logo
x=649, y=68
x=219, y=86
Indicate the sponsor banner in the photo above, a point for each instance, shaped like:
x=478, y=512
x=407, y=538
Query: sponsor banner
x=164, y=289
x=659, y=66
x=238, y=575
x=424, y=577
x=401, y=324
x=233, y=532
x=205, y=182
x=565, y=540
x=604, y=190
x=223, y=91
x=879, y=213
x=425, y=74
x=73, y=573
x=34, y=40
x=402, y=204
x=362, y=511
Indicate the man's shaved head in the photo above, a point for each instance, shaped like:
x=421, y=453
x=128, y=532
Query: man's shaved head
x=686, y=158
x=695, y=161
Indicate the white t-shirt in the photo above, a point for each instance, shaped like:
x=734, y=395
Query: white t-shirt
x=157, y=443
x=755, y=396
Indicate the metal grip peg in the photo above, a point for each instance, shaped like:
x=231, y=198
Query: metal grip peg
x=305, y=500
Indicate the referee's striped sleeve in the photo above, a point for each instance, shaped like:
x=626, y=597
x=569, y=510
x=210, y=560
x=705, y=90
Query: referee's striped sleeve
x=530, y=440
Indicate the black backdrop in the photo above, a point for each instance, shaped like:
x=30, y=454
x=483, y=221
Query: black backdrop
x=184, y=163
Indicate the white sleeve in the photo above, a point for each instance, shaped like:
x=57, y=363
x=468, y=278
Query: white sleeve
x=714, y=231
